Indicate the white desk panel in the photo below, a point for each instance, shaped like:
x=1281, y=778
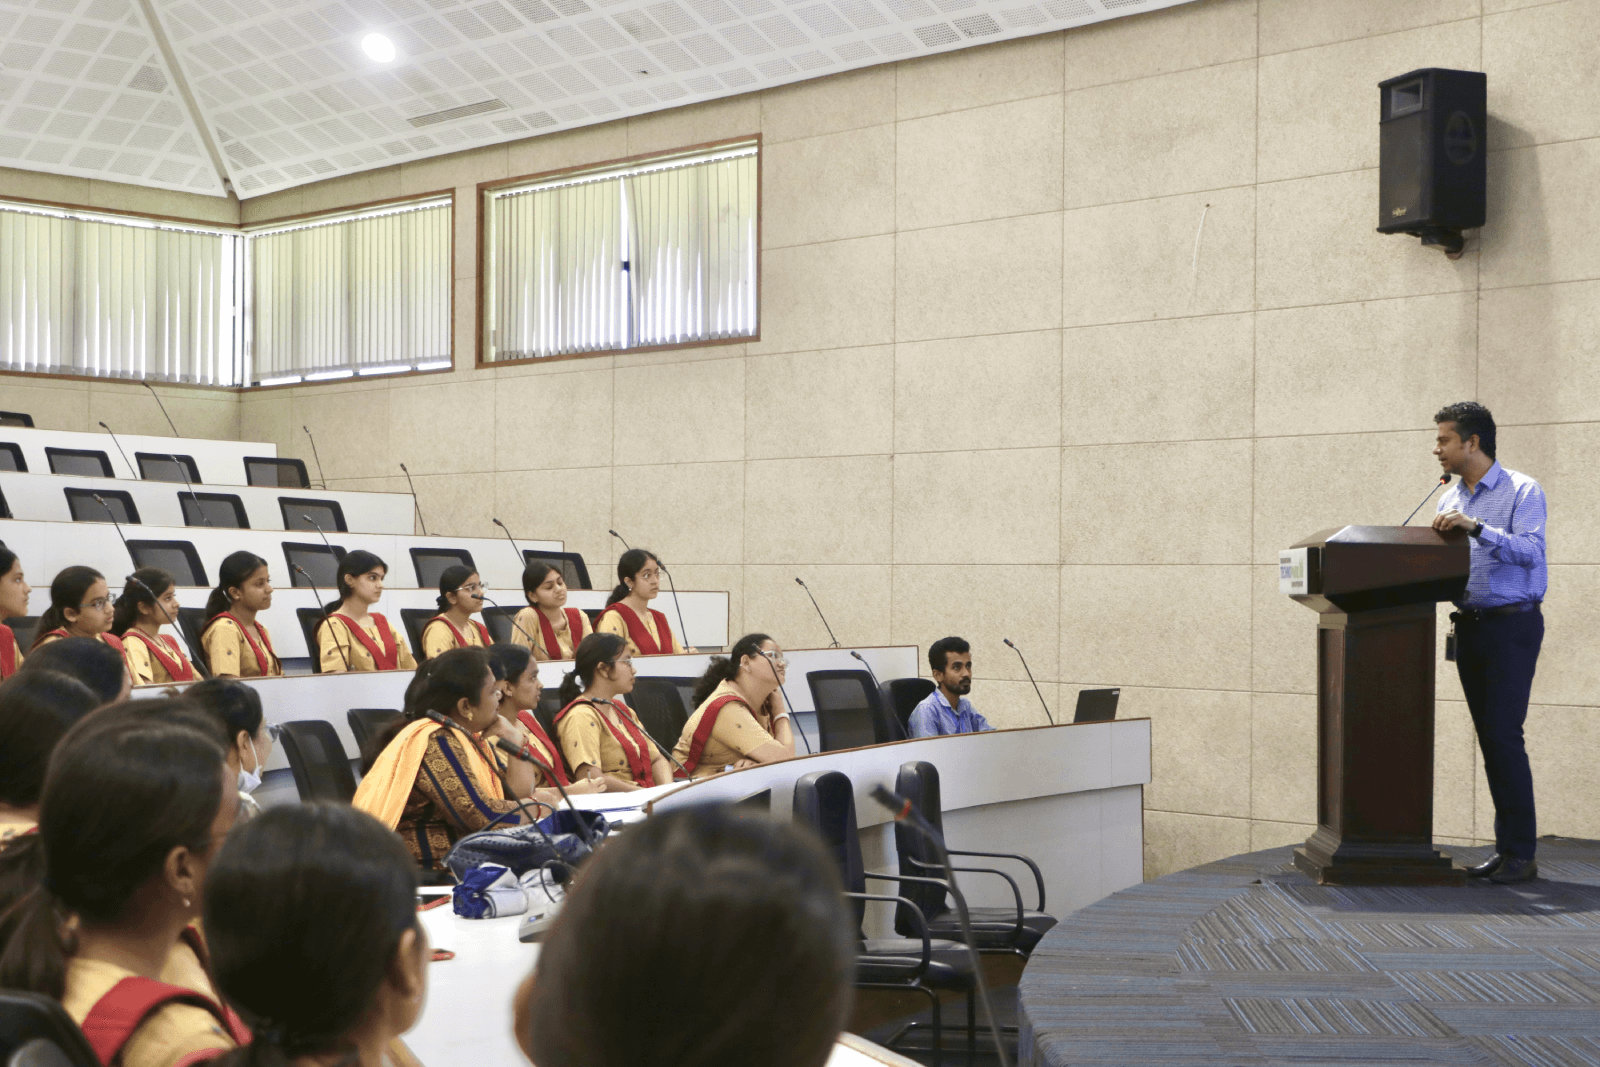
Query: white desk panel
x=47, y=547
x=41, y=497
x=219, y=462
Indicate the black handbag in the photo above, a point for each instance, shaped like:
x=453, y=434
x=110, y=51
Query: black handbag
x=556, y=839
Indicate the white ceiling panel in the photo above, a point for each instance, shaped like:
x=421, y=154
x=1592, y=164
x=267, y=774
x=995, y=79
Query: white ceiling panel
x=288, y=96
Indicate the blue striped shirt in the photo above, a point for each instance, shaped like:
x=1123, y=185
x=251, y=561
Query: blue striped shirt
x=1508, y=558
x=934, y=717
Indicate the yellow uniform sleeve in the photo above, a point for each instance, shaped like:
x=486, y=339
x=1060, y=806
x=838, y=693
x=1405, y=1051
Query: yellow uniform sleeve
x=172, y=1035
x=338, y=651
x=611, y=623
x=526, y=621
x=140, y=662
x=223, y=643
x=437, y=639
x=738, y=730
x=578, y=733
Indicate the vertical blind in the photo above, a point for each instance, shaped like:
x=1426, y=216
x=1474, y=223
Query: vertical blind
x=657, y=253
x=116, y=297
x=356, y=294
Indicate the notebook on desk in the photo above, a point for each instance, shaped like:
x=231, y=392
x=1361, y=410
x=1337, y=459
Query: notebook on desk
x=1096, y=705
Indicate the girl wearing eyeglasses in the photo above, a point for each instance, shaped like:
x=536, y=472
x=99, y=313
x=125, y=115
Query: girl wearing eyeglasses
x=740, y=718
x=547, y=626
x=80, y=606
x=460, y=598
x=629, y=614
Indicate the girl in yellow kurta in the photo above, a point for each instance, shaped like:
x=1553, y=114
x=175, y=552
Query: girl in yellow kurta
x=740, y=719
x=355, y=638
x=460, y=598
x=236, y=645
x=600, y=736
x=14, y=593
x=132, y=942
x=80, y=606
x=148, y=602
x=547, y=626
x=629, y=614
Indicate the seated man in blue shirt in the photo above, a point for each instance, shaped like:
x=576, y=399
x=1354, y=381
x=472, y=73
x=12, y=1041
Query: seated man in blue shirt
x=947, y=709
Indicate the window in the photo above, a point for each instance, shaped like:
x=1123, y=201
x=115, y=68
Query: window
x=653, y=253
x=364, y=292
x=115, y=296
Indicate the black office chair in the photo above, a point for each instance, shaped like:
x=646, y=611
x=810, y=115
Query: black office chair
x=118, y=506
x=192, y=621
x=367, y=723
x=218, y=511
x=320, y=563
x=327, y=514
x=317, y=758
x=573, y=570
x=11, y=458
x=902, y=695
x=15, y=418
x=310, y=619
x=825, y=801
x=162, y=467
x=82, y=462
x=5, y=509
x=413, y=620
x=850, y=710
x=994, y=930
x=178, y=558
x=430, y=563
x=277, y=473
x=660, y=706
x=499, y=624
x=549, y=704
x=23, y=627
x=36, y=1031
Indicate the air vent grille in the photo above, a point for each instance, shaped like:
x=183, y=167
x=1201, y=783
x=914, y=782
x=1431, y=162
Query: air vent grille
x=464, y=111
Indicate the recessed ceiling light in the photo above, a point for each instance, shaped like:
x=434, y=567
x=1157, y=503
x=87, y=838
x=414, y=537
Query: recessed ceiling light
x=378, y=47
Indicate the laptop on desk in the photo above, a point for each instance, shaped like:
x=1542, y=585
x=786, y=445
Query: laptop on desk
x=1096, y=705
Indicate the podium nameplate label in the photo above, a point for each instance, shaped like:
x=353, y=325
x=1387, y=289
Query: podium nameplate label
x=1293, y=571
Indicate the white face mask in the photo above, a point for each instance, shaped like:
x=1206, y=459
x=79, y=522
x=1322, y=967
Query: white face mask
x=250, y=781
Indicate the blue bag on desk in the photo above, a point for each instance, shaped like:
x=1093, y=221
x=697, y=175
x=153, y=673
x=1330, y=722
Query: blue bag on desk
x=489, y=892
x=525, y=848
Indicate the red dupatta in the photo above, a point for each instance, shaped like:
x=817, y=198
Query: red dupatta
x=386, y=658
x=558, y=766
x=641, y=638
x=702, y=733
x=261, y=657
x=8, y=652
x=638, y=753
x=461, y=639
x=552, y=645
x=179, y=669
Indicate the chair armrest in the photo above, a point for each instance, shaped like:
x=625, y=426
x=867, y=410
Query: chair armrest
x=907, y=878
x=1038, y=878
x=1016, y=893
x=922, y=924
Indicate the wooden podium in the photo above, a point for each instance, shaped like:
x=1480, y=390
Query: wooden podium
x=1374, y=589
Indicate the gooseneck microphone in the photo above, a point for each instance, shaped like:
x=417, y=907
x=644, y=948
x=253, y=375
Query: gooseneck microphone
x=414, y=501
x=134, y=471
x=162, y=406
x=1444, y=479
x=325, y=620
x=194, y=661
x=906, y=812
x=618, y=536
x=794, y=723
x=820, y=615
x=522, y=563
x=512, y=619
x=1025, y=667
x=676, y=603
x=507, y=747
x=323, y=478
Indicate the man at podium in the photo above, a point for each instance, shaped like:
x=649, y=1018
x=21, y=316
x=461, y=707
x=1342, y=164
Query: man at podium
x=1498, y=627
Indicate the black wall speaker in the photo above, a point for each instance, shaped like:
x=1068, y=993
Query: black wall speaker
x=1432, y=172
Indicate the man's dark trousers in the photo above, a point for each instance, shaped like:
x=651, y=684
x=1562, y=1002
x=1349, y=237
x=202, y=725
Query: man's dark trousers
x=1495, y=658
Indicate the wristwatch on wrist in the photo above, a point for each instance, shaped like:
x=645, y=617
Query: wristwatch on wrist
x=1478, y=529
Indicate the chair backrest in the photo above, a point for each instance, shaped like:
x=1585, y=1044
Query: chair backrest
x=319, y=561
x=5, y=509
x=328, y=514
x=498, y=622
x=11, y=458
x=177, y=558
x=192, y=621
x=430, y=563
x=278, y=473
x=317, y=758
x=310, y=619
x=36, y=1031
x=413, y=620
x=15, y=418
x=850, y=711
x=660, y=707
x=367, y=723
x=573, y=570
x=918, y=782
x=219, y=511
x=825, y=801
x=85, y=508
x=162, y=467
x=549, y=704
x=902, y=695
x=24, y=627
x=83, y=462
